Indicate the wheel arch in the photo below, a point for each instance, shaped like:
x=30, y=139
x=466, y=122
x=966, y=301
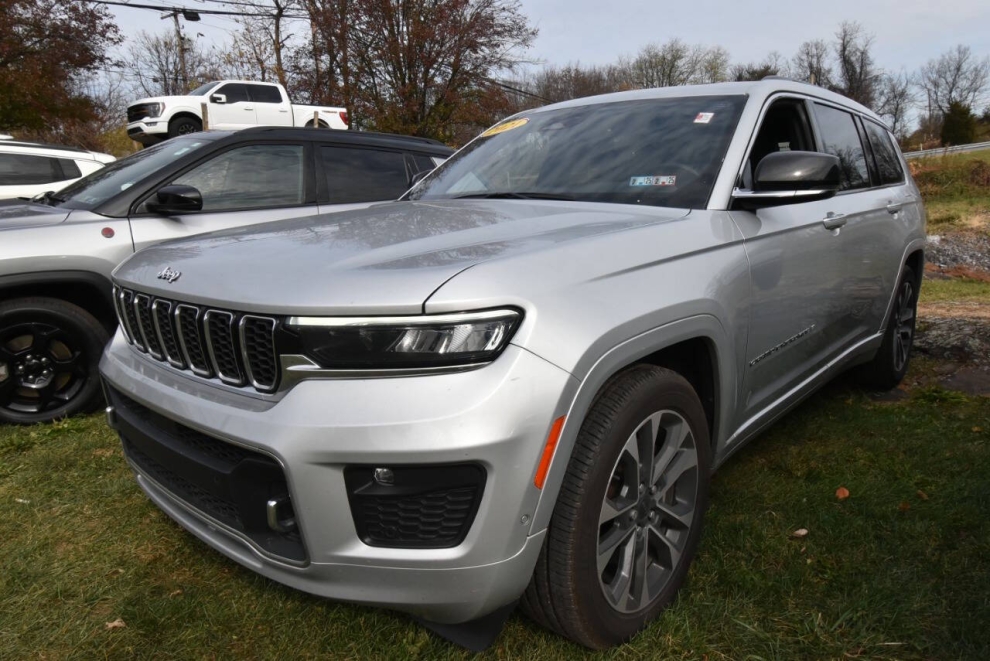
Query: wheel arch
x=185, y=114
x=90, y=291
x=696, y=347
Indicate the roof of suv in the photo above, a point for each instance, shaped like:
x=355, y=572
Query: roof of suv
x=760, y=88
x=329, y=135
x=20, y=146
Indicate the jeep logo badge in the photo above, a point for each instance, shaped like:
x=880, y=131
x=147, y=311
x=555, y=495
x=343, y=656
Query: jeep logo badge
x=169, y=275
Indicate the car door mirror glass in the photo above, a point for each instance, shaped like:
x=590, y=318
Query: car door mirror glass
x=218, y=98
x=176, y=199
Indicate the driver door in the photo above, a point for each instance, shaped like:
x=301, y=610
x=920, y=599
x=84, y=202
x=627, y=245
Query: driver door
x=244, y=185
x=235, y=112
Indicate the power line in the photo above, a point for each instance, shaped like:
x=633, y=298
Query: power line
x=210, y=12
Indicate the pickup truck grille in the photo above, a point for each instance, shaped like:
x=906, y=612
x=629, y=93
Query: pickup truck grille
x=238, y=349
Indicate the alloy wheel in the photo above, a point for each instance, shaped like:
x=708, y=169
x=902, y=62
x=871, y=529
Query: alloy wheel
x=903, y=321
x=41, y=368
x=647, y=512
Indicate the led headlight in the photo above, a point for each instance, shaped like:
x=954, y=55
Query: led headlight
x=156, y=109
x=426, y=341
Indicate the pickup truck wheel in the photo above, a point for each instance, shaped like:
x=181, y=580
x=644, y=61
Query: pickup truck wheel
x=321, y=125
x=627, y=521
x=49, y=353
x=890, y=364
x=184, y=126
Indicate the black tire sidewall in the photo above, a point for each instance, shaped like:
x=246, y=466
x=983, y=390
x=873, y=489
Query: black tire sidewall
x=173, y=127
x=880, y=373
x=89, y=336
x=664, y=390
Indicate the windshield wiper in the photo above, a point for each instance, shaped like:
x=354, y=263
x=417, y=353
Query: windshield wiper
x=509, y=195
x=49, y=198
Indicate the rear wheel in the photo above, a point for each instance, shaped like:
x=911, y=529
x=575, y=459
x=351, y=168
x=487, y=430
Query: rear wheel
x=628, y=519
x=184, y=126
x=890, y=364
x=49, y=353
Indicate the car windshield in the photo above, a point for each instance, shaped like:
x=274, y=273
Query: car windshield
x=95, y=189
x=204, y=88
x=660, y=152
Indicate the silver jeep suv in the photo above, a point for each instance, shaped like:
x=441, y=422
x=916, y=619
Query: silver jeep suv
x=513, y=384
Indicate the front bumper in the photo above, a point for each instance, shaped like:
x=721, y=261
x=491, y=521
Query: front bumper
x=497, y=417
x=148, y=131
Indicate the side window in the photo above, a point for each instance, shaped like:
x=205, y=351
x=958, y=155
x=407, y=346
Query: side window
x=888, y=164
x=69, y=168
x=235, y=92
x=29, y=170
x=841, y=139
x=251, y=177
x=423, y=163
x=264, y=94
x=364, y=175
x=785, y=127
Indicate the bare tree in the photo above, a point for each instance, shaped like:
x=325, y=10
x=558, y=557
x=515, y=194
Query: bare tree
x=573, y=81
x=895, y=98
x=154, y=65
x=856, y=76
x=251, y=53
x=813, y=63
x=664, y=65
x=712, y=66
x=773, y=64
x=956, y=76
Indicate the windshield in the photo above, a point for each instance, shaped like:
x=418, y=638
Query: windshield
x=98, y=187
x=204, y=88
x=658, y=152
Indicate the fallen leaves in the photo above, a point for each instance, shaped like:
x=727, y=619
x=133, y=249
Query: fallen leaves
x=904, y=506
x=800, y=533
x=842, y=493
x=922, y=495
x=116, y=624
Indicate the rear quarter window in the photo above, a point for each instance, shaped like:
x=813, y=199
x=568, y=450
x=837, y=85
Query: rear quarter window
x=888, y=163
x=364, y=175
x=29, y=170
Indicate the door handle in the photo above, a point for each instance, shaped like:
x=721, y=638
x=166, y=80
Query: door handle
x=894, y=207
x=249, y=107
x=834, y=221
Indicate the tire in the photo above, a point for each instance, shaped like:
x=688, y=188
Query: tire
x=322, y=125
x=568, y=593
x=890, y=363
x=49, y=356
x=184, y=126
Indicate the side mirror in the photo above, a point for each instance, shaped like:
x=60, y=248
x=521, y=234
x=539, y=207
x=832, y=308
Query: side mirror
x=218, y=98
x=791, y=177
x=172, y=200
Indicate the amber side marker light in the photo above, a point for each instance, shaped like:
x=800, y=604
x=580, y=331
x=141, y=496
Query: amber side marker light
x=548, y=450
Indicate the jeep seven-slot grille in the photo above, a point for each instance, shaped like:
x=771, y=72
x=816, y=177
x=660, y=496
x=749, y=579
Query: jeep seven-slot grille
x=239, y=349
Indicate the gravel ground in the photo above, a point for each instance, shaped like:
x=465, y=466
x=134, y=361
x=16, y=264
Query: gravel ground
x=959, y=250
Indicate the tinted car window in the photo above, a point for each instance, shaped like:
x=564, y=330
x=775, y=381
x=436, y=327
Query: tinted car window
x=888, y=165
x=364, y=175
x=658, y=152
x=842, y=139
x=423, y=163
x=250, y=177
x=69, y=168
x=234, y=92
x=27, y=169
x=265, y=94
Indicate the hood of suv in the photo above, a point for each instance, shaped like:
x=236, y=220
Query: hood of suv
x=17, y=213
x=386, y=259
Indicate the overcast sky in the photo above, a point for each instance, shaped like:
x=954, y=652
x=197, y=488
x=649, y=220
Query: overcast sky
x=908, y=32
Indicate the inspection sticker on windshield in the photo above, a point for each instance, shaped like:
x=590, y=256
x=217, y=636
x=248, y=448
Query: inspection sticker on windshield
x=704, y=117
x=663, y=180
x=506, y=126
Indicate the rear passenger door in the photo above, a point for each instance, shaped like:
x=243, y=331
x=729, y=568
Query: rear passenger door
x=354, y=177
x=866, y=245
x=270, y=108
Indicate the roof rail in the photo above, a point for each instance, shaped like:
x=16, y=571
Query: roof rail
x=787, y=78
x=371, y=134
x=10, y=142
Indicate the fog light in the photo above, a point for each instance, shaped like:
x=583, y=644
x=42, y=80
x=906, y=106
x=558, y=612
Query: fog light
x=384, y=476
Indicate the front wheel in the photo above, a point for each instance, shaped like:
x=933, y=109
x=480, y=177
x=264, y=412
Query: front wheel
x=184, y=126
x=49, y=356
x=628, y=518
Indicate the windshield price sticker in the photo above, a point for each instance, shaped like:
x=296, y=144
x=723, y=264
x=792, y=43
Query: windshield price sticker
x=704, y=117
x=662, y=180
x=506, y=126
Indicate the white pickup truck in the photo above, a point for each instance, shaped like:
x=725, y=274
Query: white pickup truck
x=231, y=105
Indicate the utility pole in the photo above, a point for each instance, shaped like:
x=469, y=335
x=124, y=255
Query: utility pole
x=189, y=16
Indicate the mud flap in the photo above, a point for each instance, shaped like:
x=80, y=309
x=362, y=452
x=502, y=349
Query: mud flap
x=475, y=635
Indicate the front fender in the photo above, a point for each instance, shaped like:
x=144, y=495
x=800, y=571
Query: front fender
x=703, y=326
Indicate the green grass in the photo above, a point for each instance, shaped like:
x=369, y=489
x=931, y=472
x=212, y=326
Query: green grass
x=956, y=290
x=900, y=570
x=954, y=187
